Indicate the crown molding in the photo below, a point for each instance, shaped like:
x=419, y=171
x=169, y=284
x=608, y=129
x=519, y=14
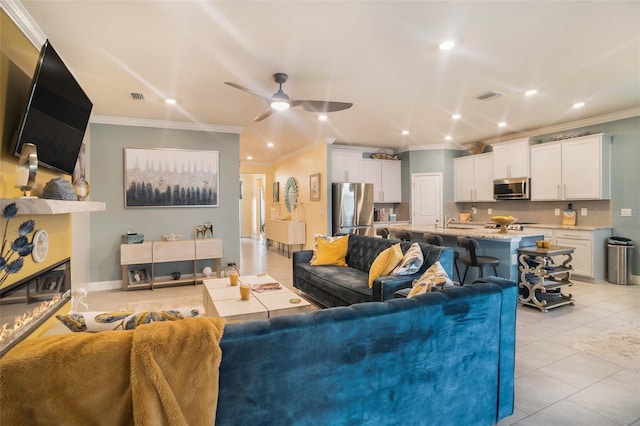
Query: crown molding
x=25, y=23
x=446, y=145
x=570, y=125
x=163, y=124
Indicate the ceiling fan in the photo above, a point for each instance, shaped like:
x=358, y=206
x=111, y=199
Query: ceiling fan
x=279, y=101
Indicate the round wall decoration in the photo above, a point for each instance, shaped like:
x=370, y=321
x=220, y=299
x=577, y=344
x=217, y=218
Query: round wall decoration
x=290, y=194
x=40, y=246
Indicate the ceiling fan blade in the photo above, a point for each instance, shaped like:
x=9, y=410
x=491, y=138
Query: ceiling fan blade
x=322, y=106
x=244, y=89
x=267, y=112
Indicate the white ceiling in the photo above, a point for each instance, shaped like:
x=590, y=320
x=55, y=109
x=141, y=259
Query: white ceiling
x=383, y=56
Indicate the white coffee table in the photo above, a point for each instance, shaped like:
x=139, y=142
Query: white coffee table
x=221, y=299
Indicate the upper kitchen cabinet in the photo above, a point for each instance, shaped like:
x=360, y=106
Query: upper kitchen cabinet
x=345, y=165
x=386, y=177
x=511, y=159
x=473, y=178
x=572, y=169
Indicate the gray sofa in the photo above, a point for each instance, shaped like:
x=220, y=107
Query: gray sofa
x=342, y=286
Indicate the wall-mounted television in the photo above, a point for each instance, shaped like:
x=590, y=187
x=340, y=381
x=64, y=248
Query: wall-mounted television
x=56, y=116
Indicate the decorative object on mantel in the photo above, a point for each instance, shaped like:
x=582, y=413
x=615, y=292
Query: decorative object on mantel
x=9, y=263
x=27, y=168
x=477, y=148
x=82, y=188
x=382, y=155
x=569, y=135
x=290, y=194
x=171, y=237
x=59, y=189
x=80, y=184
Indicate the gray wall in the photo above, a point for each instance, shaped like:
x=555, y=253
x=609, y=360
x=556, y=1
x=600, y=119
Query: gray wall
x=107, y=184
x=430, y=161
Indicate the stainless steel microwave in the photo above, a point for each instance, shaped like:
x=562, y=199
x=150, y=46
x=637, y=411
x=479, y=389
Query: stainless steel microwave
x=511, y=189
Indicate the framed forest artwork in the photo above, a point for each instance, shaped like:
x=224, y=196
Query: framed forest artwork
x=170, y=178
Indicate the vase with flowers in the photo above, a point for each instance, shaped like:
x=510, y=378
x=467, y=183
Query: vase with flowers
x=12, y=253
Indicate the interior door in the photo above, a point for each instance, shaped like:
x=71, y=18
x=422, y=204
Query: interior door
x=426, y=198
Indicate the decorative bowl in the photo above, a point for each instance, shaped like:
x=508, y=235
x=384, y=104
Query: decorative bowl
x=503, y=221
x=171, y=237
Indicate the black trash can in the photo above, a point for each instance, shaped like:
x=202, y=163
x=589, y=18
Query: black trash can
x=619, y=260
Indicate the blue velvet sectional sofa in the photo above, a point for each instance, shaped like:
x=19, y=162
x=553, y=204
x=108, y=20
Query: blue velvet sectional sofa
x=440, y=358
x=343, y=286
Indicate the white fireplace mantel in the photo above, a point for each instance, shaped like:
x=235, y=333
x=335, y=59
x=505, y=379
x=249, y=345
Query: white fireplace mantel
x=34, y=206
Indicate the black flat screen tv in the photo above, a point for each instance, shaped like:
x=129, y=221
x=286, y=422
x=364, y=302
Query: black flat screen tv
x=56, y=116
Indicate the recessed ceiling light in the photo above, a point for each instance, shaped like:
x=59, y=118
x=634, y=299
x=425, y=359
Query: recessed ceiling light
x=531, y=92
x=456, y=117
x=249, y=157
x=447, y=138
x=447, y=45
x=322, y=117
x=170, y=101
x=270, y=144
x=578, y=105
x=502, y=124
x=405, y=132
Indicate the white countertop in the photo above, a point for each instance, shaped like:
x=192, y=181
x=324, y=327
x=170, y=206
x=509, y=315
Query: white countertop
x=474, y=231
x=537, y=225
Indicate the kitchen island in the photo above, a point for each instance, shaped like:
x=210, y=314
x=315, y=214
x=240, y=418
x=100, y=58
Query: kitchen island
x=492, y=243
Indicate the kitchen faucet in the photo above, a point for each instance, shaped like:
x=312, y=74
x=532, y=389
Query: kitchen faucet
x=448, y=220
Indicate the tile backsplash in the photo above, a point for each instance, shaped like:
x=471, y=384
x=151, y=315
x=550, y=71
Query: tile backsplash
x=599, y=212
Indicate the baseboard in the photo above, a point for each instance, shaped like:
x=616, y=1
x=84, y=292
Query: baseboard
x=104, y=285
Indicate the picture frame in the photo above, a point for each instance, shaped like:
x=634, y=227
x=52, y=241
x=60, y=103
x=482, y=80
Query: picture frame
x=314, y=187
x=52, y=282
x=276, y=192
x=139, y=275
x=162, y=177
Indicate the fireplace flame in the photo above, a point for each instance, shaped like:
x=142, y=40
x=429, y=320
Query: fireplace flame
x=20, y=323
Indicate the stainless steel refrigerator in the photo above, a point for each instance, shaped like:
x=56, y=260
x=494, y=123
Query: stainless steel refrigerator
x=353, y=208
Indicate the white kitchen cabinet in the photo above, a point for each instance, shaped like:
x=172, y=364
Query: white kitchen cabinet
x=511, y=159
x=573, y=169
x=473, y=178
x=345, y=165
x=386, y=177
x=546, y=173
x=588, y=153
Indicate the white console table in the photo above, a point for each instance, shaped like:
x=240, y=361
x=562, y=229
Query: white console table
x=285, y=232
x=152, y=252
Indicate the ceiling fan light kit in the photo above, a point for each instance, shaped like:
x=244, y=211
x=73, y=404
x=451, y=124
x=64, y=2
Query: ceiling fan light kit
x=280, y=101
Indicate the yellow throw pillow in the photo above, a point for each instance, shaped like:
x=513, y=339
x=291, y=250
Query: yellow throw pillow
x=330, y=251
x=386, y=261
x=434, y=278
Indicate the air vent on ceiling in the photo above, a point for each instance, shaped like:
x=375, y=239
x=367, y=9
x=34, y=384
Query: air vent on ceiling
x=489, y=95
x=137, y=96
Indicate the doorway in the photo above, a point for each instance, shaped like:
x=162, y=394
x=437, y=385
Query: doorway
x=252, y=205
x=426, y=198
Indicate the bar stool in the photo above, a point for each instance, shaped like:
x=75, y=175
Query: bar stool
x=472, y=259
x=383, y=232
x=436, y=240
x=404, y=236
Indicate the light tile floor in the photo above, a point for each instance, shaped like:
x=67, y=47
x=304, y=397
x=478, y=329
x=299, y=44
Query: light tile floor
x=556, y=384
